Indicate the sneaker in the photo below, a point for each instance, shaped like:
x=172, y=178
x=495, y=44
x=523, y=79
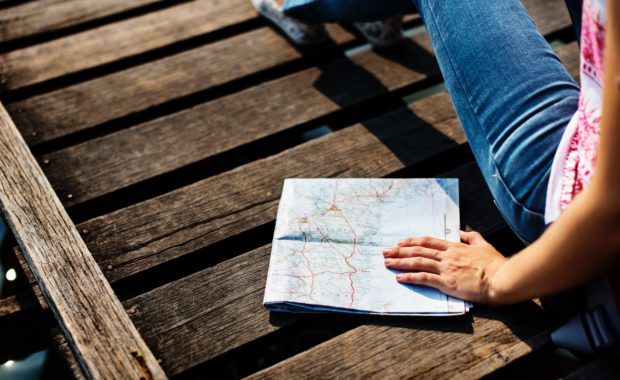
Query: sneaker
x=299, y=32
x=382, y=33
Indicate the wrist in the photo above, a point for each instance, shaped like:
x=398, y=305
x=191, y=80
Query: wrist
x=498, y=293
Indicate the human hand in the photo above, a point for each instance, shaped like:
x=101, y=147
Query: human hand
x=464, y=270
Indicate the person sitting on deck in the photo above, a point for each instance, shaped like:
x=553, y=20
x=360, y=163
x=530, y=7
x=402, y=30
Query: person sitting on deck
x=535, y=136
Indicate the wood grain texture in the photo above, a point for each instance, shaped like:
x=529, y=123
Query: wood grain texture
x=149, y=233
x=468, y=347
x=89, y=169
x=16, y=303
x=37, y=17
x=79, y=107
x=134, y=36
x=99, y=330
x=121, y=39
x=193, y=217
x=196, y=318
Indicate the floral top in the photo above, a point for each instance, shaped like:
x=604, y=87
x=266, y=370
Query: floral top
x=576, y=156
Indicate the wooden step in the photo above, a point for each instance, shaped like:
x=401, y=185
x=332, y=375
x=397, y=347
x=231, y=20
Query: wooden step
x=45, y=16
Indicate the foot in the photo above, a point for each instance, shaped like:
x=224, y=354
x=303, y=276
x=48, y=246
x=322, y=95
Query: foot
x=382, y=33
x=299, y=32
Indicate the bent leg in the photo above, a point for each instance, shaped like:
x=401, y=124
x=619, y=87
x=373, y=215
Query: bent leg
x=513, y=97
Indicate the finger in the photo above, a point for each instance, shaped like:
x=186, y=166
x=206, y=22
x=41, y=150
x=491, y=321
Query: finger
x=424, y=241
x=472, y=238
x=427, y=279
x=415, y=251
x=419, y=264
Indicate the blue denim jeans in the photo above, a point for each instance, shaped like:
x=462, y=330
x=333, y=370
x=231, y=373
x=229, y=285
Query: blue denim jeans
x=512, y=94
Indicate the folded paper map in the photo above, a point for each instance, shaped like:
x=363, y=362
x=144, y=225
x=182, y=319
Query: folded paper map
x=329, y=237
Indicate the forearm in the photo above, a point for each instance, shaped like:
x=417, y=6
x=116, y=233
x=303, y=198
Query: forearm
x=582, y=244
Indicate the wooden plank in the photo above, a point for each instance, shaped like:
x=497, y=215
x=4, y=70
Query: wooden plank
x=81, y=299
x=468, y=347
x=603, y=367
x=16, y=303
x=205, y=314
x=496, y=338
x=78, y=107
x=88, y=170
x=129, y=37
x=160, y=229
x=138, y=88
x=150, y=149
x=190, y=218
x=42, y=16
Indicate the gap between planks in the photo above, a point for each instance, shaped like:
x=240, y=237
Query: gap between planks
x=81, y=103
x=159, y=83
x=149, y=233
x=151, y=149
x=207, y=314
x=90, y=48
x=48, y=17
x=136, y=311
x=145, y=151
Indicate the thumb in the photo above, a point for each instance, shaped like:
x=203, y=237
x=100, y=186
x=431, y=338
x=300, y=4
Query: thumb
x=472, y=238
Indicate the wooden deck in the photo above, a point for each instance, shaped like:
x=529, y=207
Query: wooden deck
x=166, y=129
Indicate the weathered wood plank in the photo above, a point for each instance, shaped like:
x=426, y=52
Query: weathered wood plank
x=193, y=217
x=424, y=348
x=131, y=37
x=15, y=303
x=78, y=107
x=152, y=232
x=40, y=118
x=128, y=37
x=198, y=317
x=80, y=297
x=37, y=17
x=88, y=170
x=495, y=338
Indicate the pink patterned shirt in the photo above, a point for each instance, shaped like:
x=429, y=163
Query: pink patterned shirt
x=576, y=156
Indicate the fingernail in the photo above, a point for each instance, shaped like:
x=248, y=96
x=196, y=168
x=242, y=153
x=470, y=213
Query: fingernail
x=387, y=262
x=400, y=277
x=386, y=252
x=401, y=242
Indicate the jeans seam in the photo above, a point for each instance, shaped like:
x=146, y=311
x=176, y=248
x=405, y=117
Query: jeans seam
x=512, y=198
